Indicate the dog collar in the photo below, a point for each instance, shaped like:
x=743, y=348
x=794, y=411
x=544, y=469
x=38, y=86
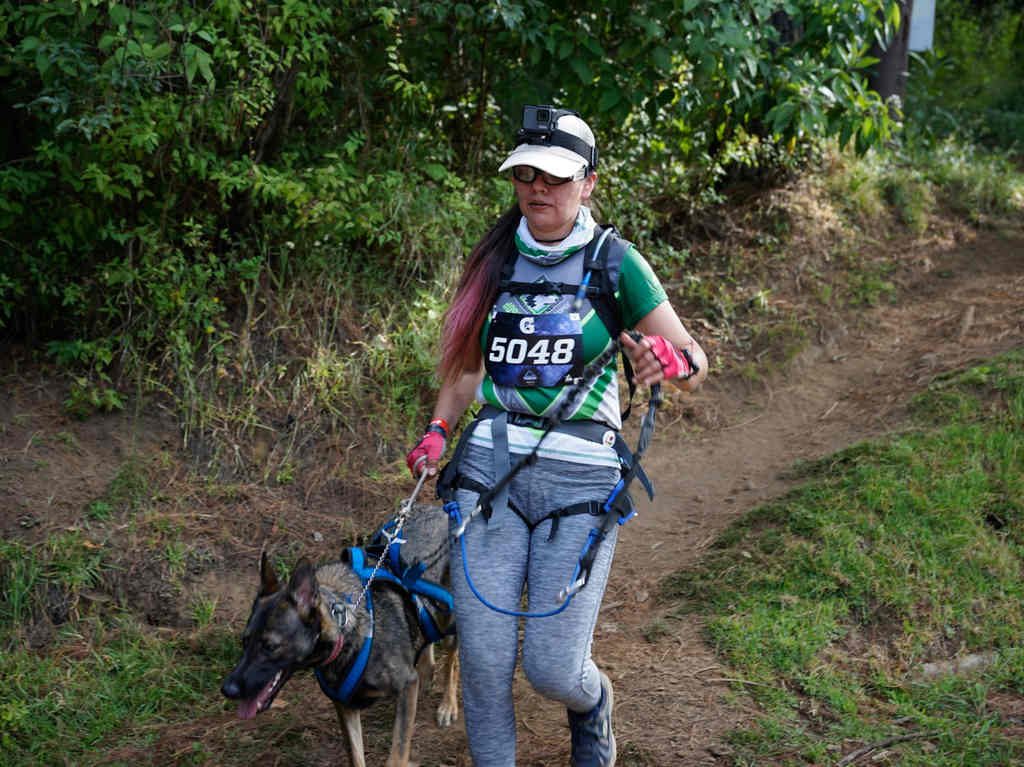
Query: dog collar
x=344, y=691
x=338, y=614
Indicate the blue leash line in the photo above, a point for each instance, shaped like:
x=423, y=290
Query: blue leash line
x=452, y=507
x=585, y=561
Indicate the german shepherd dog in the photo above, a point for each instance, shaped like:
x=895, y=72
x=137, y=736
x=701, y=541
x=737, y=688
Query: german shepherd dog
x=314, y=622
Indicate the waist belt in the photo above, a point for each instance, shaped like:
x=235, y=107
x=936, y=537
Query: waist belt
x=592, y=431
x=594, y=508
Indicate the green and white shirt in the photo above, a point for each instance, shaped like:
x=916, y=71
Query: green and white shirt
x=638, y=292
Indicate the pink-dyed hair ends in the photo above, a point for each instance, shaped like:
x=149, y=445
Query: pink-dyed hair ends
x=477, y=290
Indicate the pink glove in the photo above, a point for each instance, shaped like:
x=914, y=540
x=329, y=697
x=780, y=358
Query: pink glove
x=673, y=364
x=430, y=446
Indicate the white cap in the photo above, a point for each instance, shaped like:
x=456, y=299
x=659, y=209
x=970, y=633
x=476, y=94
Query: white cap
x=556, y=160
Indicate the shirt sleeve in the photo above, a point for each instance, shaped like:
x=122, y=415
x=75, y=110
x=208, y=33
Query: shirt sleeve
x=640, y=290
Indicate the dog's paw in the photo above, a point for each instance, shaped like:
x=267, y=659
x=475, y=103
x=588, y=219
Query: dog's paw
x=446, y=715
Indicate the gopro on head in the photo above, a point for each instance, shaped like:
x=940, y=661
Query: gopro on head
x=539, y=127
x=541, y=120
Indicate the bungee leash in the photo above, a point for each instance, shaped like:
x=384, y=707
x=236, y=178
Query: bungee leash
x=618, y=500
x=452, y=507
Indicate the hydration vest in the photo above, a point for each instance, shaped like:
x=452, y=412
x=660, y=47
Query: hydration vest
x=545, y=350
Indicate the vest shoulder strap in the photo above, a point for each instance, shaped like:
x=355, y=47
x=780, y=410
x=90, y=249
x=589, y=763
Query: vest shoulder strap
x=605, y=264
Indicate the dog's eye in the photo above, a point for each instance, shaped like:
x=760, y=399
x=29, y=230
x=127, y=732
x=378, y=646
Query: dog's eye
x=271, y=646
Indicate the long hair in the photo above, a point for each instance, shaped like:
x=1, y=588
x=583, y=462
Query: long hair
x=477, y=290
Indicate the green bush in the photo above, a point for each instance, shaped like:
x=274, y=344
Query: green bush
x=972, y=82
x=183, y=187
x=911, y=181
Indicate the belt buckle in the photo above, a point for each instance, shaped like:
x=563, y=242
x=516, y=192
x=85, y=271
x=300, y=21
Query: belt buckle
x=522, y=419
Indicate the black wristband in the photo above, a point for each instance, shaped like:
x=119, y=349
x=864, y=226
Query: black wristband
x=436, y=427
x=694, y=367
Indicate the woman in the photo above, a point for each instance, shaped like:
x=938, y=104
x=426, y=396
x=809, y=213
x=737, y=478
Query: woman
x=517, y=338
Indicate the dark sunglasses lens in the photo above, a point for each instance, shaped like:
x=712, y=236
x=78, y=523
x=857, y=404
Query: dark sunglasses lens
x=524, y=173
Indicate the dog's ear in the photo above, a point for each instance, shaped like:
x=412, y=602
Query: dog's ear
x=268, y=578
x=303, y=587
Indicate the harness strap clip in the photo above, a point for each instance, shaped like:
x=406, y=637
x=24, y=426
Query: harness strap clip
x=453, y=511
x=573, y=588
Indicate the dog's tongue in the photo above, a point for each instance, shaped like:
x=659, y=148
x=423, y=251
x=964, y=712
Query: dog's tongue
x=247, y=709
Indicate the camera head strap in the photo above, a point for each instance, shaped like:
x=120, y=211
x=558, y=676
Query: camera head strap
x=540, y=128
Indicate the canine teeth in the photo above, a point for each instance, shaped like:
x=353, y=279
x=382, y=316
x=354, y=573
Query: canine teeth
x=268, y=691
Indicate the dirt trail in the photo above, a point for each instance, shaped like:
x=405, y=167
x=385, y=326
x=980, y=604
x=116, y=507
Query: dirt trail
x=957, y=304
x=673, y=707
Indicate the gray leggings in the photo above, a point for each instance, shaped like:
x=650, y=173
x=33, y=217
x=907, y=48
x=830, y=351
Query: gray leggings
x=556, y=649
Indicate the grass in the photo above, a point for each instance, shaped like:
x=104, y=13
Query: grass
x=891, y=555
x=103, y=681
x=333, y=339
x=127, y=493
x=105, y=677
x=20, y=575
x=329, y=356
x=907, y=185
x=976, y=183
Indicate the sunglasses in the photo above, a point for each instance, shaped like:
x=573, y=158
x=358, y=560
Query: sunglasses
x=527, y=174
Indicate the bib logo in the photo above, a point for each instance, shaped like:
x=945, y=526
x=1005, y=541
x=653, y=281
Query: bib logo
x=526, y=326
x=539, y=304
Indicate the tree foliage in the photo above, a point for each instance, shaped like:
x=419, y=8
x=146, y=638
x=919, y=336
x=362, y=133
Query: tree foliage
x=972, y=82
x=160, y=156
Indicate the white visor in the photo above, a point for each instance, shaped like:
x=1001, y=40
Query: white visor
x=556, y=160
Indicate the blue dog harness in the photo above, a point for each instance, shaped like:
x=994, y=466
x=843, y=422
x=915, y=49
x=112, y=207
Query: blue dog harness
x=410, y=580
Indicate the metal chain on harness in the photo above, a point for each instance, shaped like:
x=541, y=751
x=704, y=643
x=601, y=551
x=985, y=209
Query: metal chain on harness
x=390, y=537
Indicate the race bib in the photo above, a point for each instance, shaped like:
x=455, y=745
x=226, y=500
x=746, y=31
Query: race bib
x=527, y=350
